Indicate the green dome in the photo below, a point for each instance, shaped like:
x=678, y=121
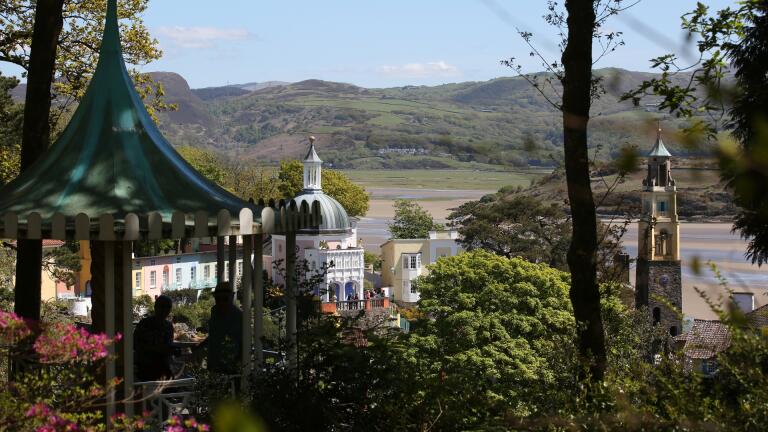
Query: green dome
x=335, y=219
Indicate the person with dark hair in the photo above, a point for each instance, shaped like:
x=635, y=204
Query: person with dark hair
x=225, y=332
x=153, y=343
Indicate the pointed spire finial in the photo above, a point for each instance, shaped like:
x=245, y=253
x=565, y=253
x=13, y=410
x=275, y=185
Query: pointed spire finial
x=110, y=42
x=311, y=140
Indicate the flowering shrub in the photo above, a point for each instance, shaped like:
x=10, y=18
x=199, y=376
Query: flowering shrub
x=55, y=388
x=62, y=343
x=177, y=424
x=12, y=329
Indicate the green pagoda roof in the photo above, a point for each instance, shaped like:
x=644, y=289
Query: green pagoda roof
x=659, y=150
x=112, y=161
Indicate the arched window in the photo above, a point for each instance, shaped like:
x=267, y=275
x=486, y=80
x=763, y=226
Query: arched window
x=673, y=331
x=656, y=315
x=662, y=240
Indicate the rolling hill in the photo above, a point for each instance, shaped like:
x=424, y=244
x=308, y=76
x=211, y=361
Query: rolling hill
x=501, y=122
x=504, y=121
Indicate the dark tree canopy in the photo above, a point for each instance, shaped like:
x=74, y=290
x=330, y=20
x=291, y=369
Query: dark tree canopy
x=747, y=175
x=513, y=226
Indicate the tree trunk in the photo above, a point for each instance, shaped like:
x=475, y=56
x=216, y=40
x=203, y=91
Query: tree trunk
x=35, y=140
x=582, y=254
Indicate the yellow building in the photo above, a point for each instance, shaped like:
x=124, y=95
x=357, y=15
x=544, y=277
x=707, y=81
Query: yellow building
x=403, y=260
x=50, y=288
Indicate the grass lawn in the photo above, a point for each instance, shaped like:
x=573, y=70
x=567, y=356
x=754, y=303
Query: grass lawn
x=443, y=179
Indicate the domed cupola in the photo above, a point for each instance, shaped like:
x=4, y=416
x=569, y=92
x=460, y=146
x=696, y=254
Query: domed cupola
x=334, y=217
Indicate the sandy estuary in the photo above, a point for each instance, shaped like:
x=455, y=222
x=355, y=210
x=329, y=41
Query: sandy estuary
x=700, y=242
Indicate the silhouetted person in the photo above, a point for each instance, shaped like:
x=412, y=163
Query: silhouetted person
x=225, y=335
x=153, y=343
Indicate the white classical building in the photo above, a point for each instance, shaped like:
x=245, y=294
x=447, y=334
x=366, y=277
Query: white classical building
x=332, y=246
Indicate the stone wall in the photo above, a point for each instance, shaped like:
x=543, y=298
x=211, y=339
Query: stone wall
x=659, y=287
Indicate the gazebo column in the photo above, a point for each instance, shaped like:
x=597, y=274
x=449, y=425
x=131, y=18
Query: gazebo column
x=247, y=310
x=26, y=293
x=112, y=313
x=219, y=259
x=109, y=318
x=290, y=298
x=233, y=263
x=127, y=291
x=258, y=287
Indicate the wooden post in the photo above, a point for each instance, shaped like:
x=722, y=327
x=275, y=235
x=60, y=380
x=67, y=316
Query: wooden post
x=109, y=315
x=127, y=291
x=290, y=296
x=258, y=287
x=233, y=263
x=219, y=259
x=247, y=311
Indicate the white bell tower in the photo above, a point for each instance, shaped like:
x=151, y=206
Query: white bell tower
x=313, y=168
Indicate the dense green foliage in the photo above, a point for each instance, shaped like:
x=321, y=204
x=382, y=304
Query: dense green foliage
x=11, y=115
x=373, y=260
x=205, y=162
x=411, y=221
x=494, y=339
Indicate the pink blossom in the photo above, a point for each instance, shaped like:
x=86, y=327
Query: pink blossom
x=12, y=328
x=38, y=410
x=62, y=343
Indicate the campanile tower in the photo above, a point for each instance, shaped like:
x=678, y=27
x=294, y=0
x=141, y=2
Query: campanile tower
x=659, y=275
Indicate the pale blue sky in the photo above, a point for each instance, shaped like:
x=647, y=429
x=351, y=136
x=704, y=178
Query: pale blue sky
x=380, y=43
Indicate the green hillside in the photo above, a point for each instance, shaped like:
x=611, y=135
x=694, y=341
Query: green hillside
x=504, y=121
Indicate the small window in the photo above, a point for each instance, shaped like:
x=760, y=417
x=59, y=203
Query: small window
x=193, y=273
x=744, y=301
x=662, y=208
x=152, y=279
x=415, y=261
x=414, y=289
x=178, y=276
x=138, y=280
x=206, y=272
x=673, y=331
x=656, y=315
x=709, y=366
x=151, y=262
x=166, y=277
x=405, y=261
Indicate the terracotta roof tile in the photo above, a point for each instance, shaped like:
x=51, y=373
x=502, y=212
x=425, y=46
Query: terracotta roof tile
x=706, y=339
x=758, y=318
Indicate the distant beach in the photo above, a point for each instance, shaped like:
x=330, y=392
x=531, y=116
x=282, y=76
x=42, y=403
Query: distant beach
x=699, y=241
